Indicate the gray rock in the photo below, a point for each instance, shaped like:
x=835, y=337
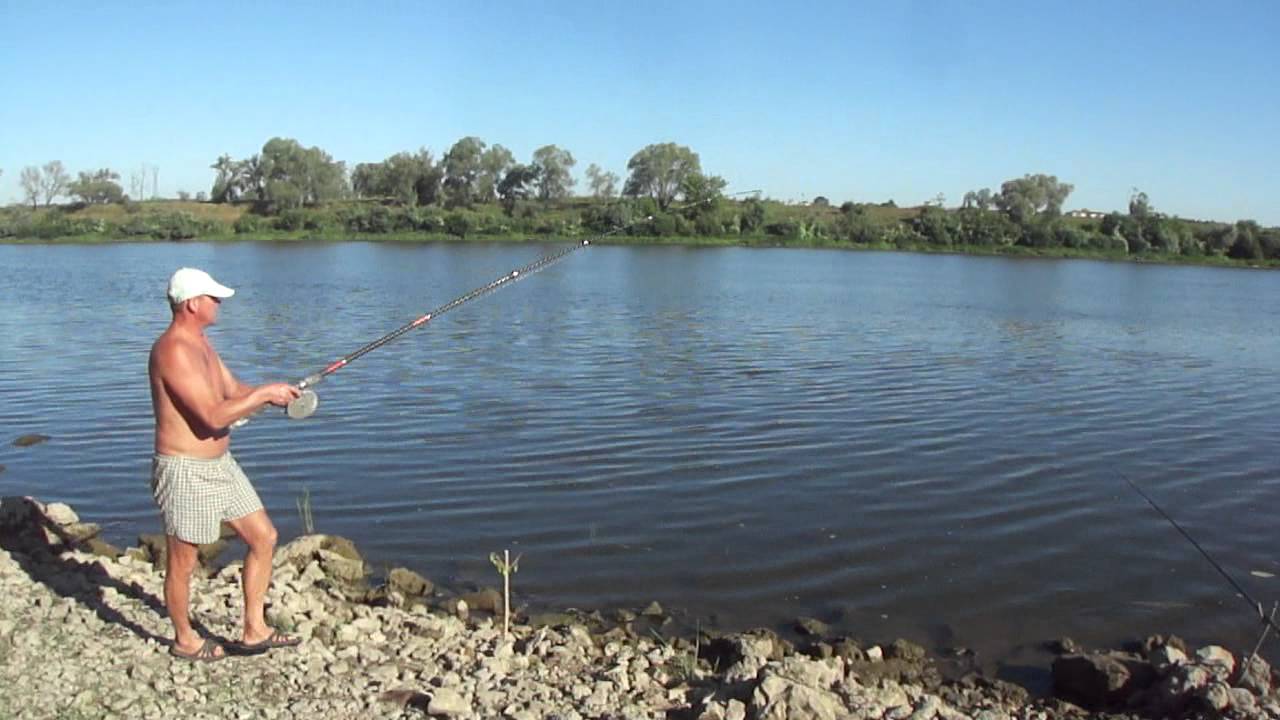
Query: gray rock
x=1218, y=659
x=812, y=627
x=1099, y=680
x=339, y=567
x=552, y=619
x=19, y=513
x=1217, y=695
x=1243, y=702
x=409, y=582
x=906, y=650
x=61, y=513
x=1165, y=657
x=797, y=688
x=1256, y=677
x=486, y=600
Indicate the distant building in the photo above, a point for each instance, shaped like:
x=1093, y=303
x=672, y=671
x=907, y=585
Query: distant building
x=1086, y=213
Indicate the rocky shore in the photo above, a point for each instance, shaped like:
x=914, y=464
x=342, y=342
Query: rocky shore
x=83, y=634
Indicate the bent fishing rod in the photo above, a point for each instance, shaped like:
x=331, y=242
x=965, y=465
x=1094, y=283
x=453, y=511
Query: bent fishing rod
x=304, y=406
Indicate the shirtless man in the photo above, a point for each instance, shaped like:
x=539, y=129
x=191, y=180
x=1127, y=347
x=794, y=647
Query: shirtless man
x=195, y=480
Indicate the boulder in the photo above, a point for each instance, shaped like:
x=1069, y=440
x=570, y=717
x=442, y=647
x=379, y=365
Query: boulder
x=300, y=551
x=812, y=627
x=1218, y=660
x=340, y=567
x=486, y=600
x=19, y=513
x=1100, y=680
x=1255, y=677
x=409, y=582
x=798, y=688
x=906, y=650
x=100, y=547
x=61, y=513
x=1165, y=657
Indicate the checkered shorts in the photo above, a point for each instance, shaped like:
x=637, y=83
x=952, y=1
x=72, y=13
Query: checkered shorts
x=195, y=495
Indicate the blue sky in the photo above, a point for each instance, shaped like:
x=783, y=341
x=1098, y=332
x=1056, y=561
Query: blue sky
x=853, y=101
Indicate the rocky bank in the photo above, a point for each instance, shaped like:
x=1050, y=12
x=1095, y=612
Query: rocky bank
x=83, y=634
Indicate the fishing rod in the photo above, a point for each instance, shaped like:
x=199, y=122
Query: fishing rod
x=1257, y=606
x=304, y=406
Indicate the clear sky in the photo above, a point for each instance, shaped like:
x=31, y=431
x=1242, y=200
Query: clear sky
x=851, y=100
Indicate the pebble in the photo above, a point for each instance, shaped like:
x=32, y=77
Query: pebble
x=55, y=646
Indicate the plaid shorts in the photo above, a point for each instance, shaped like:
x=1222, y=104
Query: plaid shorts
x=195, y=495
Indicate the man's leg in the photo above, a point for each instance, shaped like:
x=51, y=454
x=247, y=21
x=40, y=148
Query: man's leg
x=260, y=535
x=179, y=564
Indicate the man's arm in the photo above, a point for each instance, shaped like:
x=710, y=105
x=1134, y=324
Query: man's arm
x=187, y=380
x=234, y=388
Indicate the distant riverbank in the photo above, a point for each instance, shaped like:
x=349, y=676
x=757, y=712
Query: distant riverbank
x=740, y=223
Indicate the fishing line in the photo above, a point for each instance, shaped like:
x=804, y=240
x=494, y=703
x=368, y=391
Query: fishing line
x=305, y=404
x=1257, y=606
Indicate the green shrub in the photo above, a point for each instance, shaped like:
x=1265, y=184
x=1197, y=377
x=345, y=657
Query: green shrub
x=175, y=226
x=250, y=224
x=458, y=224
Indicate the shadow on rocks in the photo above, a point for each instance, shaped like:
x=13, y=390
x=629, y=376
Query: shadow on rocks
x=37, y=542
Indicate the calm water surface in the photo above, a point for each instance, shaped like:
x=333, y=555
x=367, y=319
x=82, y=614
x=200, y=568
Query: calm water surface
x=903, y=445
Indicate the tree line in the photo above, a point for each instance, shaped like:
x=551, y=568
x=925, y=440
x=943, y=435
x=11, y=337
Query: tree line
x=477, y=189
x=285, y=175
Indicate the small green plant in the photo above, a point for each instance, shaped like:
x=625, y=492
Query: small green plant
x=304, y=511
x=683, y=665
x=506, y=567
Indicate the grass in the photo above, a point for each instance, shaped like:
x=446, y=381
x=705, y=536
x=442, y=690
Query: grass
x=304, y=511
x=221, y=212
x=684, y=666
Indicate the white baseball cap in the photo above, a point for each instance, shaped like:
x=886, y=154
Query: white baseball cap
x=187, y=283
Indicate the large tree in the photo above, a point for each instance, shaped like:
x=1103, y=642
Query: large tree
x=516, y=186
x=1031, y=195
x=293, y=175
x=657, y=171
x=235, y=179
x=702, y=193
x=53, y=181
x=410, y=178
x=97, y=188
x=462, y=169
x=554, y=172
x=494, y=164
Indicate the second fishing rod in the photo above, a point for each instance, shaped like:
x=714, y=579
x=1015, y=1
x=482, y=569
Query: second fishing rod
x=305, y=405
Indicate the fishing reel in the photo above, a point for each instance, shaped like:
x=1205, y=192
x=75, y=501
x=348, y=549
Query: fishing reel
x=303, y=406
x=299, y=408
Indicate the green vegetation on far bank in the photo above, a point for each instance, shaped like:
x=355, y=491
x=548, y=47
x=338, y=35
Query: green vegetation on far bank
x=479, y=192
x=750, y=223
